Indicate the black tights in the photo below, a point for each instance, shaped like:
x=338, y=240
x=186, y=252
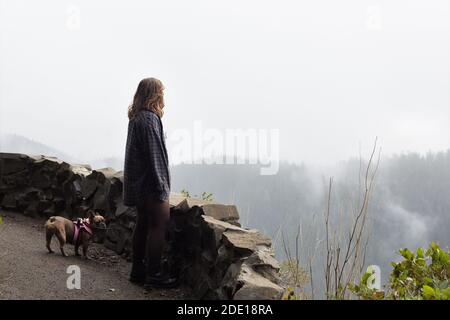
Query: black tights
x=149, y=238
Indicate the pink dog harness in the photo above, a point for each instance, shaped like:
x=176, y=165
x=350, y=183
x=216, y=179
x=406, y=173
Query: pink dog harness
x=80, y=225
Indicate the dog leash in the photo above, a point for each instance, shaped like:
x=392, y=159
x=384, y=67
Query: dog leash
x=101, y=228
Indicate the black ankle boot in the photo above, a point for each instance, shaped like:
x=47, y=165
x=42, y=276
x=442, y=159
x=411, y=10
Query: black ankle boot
x=137, y=274
x=160, y=280
x=158, y=277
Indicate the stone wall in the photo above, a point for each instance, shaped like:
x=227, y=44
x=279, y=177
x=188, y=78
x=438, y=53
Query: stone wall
x=207, y=247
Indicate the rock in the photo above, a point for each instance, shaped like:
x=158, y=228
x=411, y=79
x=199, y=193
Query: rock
x=32, y=209
x=216, y=228
x=224, y=255
x=253, y=286
x=203, y=285
x=101, y=200
x=186, y=218
x=107, y=173
x=229, y=281
x=116, y=189
x=58, y=203
x=119, y=176
x=13, y=163
x=46, y=161
x=113, y=233
x=208, y=258
x=88, y=187
x=175, y=199
x=110, y=245
x=265, y=264
x=263, y=257
x=187, y=204
x=49, y=211
x=9, y=201
x=123, y=239
x=81, y=169
x=40, y=179
x=221, y=211
x=46, y=207
x=121, y=209
x=245, y=242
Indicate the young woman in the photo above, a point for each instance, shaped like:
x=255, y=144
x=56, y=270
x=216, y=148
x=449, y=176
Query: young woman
x=147, y=183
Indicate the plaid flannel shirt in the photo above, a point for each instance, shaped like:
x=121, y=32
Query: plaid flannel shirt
x=146, y=172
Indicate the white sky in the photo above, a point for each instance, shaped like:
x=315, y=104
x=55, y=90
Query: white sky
x=331, y=75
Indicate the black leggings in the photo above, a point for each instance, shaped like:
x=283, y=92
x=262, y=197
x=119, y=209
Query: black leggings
x=149, y=238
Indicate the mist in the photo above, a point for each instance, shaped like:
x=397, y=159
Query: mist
x=329, y=75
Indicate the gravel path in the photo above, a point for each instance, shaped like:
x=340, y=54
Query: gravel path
x=28, y=271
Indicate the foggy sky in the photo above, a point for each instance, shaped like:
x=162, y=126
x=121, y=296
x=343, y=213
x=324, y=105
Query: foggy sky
x=331, y=75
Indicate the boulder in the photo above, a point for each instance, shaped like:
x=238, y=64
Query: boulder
x=118, y=175
x=9, y=201
x=81, y=169
x=102, y=201
x=186, y=204
x=175, y=199
x=245, y=242
x=105, y=173
x=221, y=211
x=13, y=163
x=229, y=281
x=253, y=286
x=216, y=228
x=121, y=209
x=265, y=264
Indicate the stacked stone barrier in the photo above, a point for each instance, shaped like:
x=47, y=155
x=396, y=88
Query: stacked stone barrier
x=207, y=247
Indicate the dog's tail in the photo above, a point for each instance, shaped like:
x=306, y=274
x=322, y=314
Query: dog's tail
x=49, y=223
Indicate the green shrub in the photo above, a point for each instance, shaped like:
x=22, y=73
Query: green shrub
x=206, y=196
x=421, y=275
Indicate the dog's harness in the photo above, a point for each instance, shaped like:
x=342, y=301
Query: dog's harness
x=80, y=225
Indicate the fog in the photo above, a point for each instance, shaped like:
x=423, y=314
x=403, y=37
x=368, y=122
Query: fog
x=330, y=75
x=409, y=206
x=326, y=76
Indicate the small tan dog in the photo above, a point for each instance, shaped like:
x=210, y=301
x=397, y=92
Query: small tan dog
x=74, y=232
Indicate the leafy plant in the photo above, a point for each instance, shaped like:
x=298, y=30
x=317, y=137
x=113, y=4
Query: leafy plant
x=185, y=193
x=364, y=289
x=206, y=196
x=421, y=275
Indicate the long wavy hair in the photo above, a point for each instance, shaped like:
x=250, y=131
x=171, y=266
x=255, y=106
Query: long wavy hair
x=149, y=96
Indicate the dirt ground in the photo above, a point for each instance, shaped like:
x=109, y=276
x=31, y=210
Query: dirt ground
x=28, y=271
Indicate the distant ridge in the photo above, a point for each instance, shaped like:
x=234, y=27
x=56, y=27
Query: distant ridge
x=15, y=143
